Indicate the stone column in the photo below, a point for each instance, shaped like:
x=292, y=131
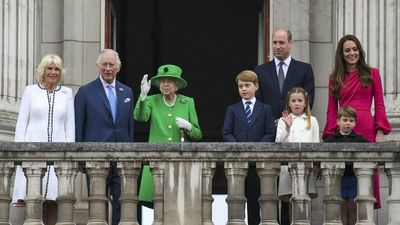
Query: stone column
x=18, y=39
x=208, y=170
x=365, y=199
x=97, y=172
x=236, y=173
x=6, y=170
x=66, y=173
x=34, y=172
x=129, y=172
x=393, y=201
x=332, y=172
x=157, y=169
x=301, y=202
x=268, y=171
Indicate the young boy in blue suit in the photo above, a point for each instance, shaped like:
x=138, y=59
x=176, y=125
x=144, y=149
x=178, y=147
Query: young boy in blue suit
x=249, y=121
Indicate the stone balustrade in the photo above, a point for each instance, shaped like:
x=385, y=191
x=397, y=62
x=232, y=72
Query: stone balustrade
x=183, y=174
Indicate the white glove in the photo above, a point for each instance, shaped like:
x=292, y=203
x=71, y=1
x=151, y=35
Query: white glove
x=183, y=124
x=144, y=87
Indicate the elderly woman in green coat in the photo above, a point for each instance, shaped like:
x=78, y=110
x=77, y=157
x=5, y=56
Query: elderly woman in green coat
x=172, y=116
x=169, y=112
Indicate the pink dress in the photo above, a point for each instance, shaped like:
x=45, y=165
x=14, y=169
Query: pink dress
x=360, y=98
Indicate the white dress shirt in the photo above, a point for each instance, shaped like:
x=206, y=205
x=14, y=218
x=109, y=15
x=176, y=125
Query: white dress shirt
x=253, y=101
x=285, y=66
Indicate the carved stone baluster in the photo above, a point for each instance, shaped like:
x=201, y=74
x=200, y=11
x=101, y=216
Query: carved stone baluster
x=332, y=172
x=66, y=173
x=6, y=170
x=97, y=172
x=236, y=173
x=129, y=172
x=301, y=201
x=208, y=171
x=268, y=171
x=157, y=170
x=365, y=199
x=34, y=172
x=393, y=201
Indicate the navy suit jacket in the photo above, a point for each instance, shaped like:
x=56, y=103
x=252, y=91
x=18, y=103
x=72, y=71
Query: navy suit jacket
x=260, y=129
x=299, y=74
x=93, y=118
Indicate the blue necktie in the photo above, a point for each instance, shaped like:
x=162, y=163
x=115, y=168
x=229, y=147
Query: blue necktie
x=248, y=112
x=112, y=100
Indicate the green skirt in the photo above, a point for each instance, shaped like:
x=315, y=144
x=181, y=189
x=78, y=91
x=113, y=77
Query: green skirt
x=146, y=190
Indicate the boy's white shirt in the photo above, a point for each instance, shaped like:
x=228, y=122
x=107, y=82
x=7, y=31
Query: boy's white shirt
x=298, y=130
x=253, y=102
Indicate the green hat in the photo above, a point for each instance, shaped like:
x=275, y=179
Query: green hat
x=170, y=71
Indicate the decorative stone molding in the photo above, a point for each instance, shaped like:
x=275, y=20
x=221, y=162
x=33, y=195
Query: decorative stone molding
x=268, y=172
x=157, y=170
x=301, y=202
x=393, y=201
x=236, y=173
x=34, y=172
x=97, y=172
x=129, y=172
x=208, y=170
x=66, y=173
x=365, y=199
x=6, y=170
x=332, y=172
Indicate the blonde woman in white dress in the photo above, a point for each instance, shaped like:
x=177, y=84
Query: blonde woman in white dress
x=296, y=125
x=46, y=114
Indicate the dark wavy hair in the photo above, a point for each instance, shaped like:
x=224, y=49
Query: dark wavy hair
x=340, y=69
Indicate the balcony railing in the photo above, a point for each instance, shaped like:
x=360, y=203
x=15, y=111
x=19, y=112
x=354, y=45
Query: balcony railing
x=183, y=175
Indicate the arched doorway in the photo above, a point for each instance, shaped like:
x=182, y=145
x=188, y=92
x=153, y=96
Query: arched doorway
x=211, y=40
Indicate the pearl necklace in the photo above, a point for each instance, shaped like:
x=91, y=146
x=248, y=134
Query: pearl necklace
x=167, y=103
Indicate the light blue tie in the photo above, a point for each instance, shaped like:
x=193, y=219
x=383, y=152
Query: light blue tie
x=112, y=100
x=248, y=111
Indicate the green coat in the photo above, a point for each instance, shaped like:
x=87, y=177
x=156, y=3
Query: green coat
x=163, y=129
x=162, y=118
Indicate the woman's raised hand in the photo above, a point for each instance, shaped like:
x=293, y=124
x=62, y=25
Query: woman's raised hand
x=144, y=87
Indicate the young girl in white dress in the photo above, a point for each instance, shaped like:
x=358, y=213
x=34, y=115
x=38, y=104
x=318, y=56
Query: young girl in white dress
x=296, y=125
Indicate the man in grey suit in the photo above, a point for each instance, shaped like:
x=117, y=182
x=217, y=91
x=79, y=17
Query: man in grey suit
x=276, y=78
x=104, y=113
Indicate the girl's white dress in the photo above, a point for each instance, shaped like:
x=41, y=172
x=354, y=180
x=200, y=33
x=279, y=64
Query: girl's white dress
x=44, y=117
x=298, y=133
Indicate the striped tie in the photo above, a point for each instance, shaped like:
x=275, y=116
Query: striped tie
x=248, y=111
x=112, y=100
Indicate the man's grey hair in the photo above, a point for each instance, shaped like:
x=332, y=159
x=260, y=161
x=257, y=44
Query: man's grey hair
x=104, y=51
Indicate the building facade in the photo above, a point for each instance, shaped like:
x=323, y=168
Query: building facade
x=77, y=31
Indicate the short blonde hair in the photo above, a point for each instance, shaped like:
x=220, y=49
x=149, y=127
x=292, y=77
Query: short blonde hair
x=247, y=76
x=47, y=60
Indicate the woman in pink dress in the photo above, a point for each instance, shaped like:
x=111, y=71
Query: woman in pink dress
x=354, y=83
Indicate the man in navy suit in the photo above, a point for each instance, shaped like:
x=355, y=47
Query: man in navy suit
x=104, y=113
x=296, y=74
x=249, y=121
x=280, y=75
